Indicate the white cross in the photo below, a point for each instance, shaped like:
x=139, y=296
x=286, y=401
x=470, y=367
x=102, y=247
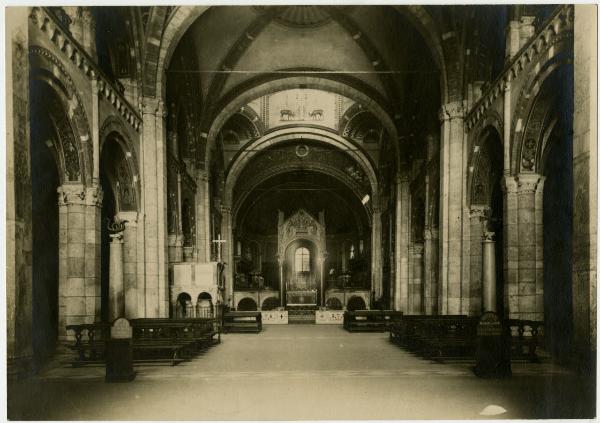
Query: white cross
x=219, y=243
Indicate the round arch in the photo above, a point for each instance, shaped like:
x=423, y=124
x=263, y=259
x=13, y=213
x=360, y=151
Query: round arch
x=46, y=67
x=283, y=169
x=292, y=82
x=288, y=134
x=168, y=25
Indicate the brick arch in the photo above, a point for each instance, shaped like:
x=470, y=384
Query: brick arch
x=44, y=67
x=113, y=129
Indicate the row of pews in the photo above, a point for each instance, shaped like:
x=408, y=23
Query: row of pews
x=370, y=320
x=447, y=337
x=456, y=337
x=154, y=340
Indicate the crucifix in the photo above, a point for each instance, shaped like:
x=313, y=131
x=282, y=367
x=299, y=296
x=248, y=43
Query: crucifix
x=219, y=243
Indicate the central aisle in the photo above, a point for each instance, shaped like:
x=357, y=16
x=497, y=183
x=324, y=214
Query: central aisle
x=297, y=372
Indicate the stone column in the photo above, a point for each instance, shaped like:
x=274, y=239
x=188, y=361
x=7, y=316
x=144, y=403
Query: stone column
x=79, y=290
x=415, y=287
x=429, y=273
x=130, y=264
x=116, y=293
x=489, y=271
x=511, y=248
x=478, y=216
x=585, y=184
x=153, y=170
x=376, y=262
x=18, y=245
x=539, y=248
x=452, y=178
x=202, y=217
x=402, y=238
x=227, y=249
x=281, y=281
x=527, y=184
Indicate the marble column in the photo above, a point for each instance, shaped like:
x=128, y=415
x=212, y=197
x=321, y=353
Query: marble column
x=415, y=287
x=489, y=271
x=153, y=174
x=116, y=292
x=478, y=215
x=376, y=259
x=585, y=184
x=526, y=223
x=79, y=291
x=402, y=239
x=452, y=199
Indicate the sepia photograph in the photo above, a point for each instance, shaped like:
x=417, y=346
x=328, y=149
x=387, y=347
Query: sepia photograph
x=300, y=211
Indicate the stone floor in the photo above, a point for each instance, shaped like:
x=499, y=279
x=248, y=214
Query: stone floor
x=302, y=372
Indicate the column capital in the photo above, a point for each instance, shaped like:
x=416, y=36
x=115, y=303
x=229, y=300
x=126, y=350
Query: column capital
x=152, y=106
x=225, y=209
x=116, y=229
x=527, y=182
x=202, y=175
x=488, y=236
x=452, y=110
x=509, y=185
x=80, y=195
x=130, y=218
x=417, y=248
x=479, y=211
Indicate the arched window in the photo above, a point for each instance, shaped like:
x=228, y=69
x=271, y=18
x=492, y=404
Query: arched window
x=302, y=260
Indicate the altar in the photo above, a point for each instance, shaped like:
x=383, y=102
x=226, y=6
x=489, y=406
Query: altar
x=301, y=255
x=302, y=297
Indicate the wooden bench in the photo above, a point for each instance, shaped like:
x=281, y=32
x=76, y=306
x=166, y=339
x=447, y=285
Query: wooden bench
x=437, y=337
x=370, y=320
x=525, y=337
x=242, y=321
x=154, y=340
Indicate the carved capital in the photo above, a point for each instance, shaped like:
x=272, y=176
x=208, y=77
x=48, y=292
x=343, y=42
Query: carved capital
x=71, y=194
x=527, y=183
x=488, y=236
x=479, y=212
x=453, y=110
x=152, y=106
x=94, y=196
x=225, y=209
x=509, y=185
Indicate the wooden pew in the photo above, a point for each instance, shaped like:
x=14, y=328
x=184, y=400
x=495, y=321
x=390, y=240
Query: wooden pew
x=154, y=340
x=525, y=336
x=437, y=337
x=242, y=321
x=370, y=320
